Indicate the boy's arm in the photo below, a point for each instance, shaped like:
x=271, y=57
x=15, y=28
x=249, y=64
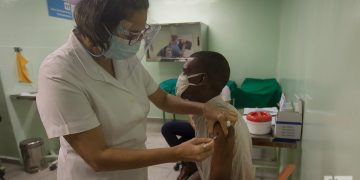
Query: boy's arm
x=221, y=164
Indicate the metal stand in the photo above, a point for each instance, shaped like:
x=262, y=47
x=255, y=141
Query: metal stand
x=2, y=168
x=177, y=166
x=53, y=159
x=164, y=117
x=2, y=171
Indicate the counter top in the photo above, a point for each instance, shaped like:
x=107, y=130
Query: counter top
x=268, y=140
x=25, y=96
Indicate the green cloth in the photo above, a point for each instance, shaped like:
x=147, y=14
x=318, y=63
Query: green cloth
x=169, y=86
x=233, y=88
x=258, y=93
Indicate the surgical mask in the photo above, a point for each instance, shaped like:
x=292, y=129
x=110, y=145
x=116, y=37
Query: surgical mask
x=120, y=49
x=183, y=83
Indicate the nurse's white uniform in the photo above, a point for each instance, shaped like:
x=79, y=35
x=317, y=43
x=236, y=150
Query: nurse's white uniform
x=76, y=95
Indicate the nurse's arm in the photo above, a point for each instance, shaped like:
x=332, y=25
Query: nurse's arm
x=173, y=104
x=92, y=148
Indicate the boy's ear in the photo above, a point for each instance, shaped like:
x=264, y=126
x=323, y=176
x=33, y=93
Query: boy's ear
x=205, y=81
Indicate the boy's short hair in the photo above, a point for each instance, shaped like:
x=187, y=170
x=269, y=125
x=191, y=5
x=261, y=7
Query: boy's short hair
x=215, y=66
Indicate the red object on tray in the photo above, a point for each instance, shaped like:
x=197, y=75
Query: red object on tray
x=258, y=116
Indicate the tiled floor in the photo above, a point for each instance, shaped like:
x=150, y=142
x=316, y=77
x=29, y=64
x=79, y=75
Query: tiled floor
x=158, y=172
x=156, y=140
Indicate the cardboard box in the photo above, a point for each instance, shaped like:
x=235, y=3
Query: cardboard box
x=288, y=126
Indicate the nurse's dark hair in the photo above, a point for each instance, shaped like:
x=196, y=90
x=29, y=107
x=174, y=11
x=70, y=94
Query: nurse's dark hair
x=215, y=66
x=91, y=17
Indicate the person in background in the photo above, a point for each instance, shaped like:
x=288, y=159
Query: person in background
x=174, y=44
x=165, y=52
x=202, y=80
x=181, y=43
x=94, y=94
x=172, y=50
x=186, y=50
x=185, y=131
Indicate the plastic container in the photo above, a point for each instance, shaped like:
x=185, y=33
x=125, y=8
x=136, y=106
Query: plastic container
x=32, y=152
x=259, y=123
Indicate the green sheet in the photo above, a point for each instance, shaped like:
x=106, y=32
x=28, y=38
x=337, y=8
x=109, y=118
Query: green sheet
x=258, y=93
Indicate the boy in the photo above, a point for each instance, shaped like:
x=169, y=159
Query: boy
x=202, y=80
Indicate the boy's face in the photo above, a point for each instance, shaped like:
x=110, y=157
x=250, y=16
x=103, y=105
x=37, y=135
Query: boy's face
x=198, y=91
x=168, y=52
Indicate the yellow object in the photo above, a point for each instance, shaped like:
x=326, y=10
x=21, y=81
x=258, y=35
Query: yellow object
x=21, y=65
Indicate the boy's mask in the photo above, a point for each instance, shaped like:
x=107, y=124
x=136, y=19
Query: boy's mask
x=183, y=83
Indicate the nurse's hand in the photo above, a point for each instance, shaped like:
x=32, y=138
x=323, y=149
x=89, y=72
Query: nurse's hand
x=196, y=149
x=225, y=117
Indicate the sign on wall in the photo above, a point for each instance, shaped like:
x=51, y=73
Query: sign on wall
x=59, y=9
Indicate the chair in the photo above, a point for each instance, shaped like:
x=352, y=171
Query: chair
x=169, y=86
x=287, y=172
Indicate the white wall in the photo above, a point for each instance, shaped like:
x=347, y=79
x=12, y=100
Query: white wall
x=246, y=32
x=319, y=61
x=25, y=24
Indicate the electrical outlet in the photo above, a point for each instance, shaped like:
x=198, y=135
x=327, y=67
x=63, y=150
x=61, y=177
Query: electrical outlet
x=338, y=177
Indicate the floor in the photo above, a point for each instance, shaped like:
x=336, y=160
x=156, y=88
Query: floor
x=158, y=172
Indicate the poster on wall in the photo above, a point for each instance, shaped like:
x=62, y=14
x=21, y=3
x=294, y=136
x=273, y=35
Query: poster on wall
x=175, y=42
x=60, y=9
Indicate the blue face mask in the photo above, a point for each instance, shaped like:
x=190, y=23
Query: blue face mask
x=120, y=49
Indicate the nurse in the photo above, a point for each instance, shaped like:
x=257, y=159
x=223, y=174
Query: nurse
x=94, y=94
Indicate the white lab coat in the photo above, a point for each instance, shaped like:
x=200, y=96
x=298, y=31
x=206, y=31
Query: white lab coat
x=75, y=94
